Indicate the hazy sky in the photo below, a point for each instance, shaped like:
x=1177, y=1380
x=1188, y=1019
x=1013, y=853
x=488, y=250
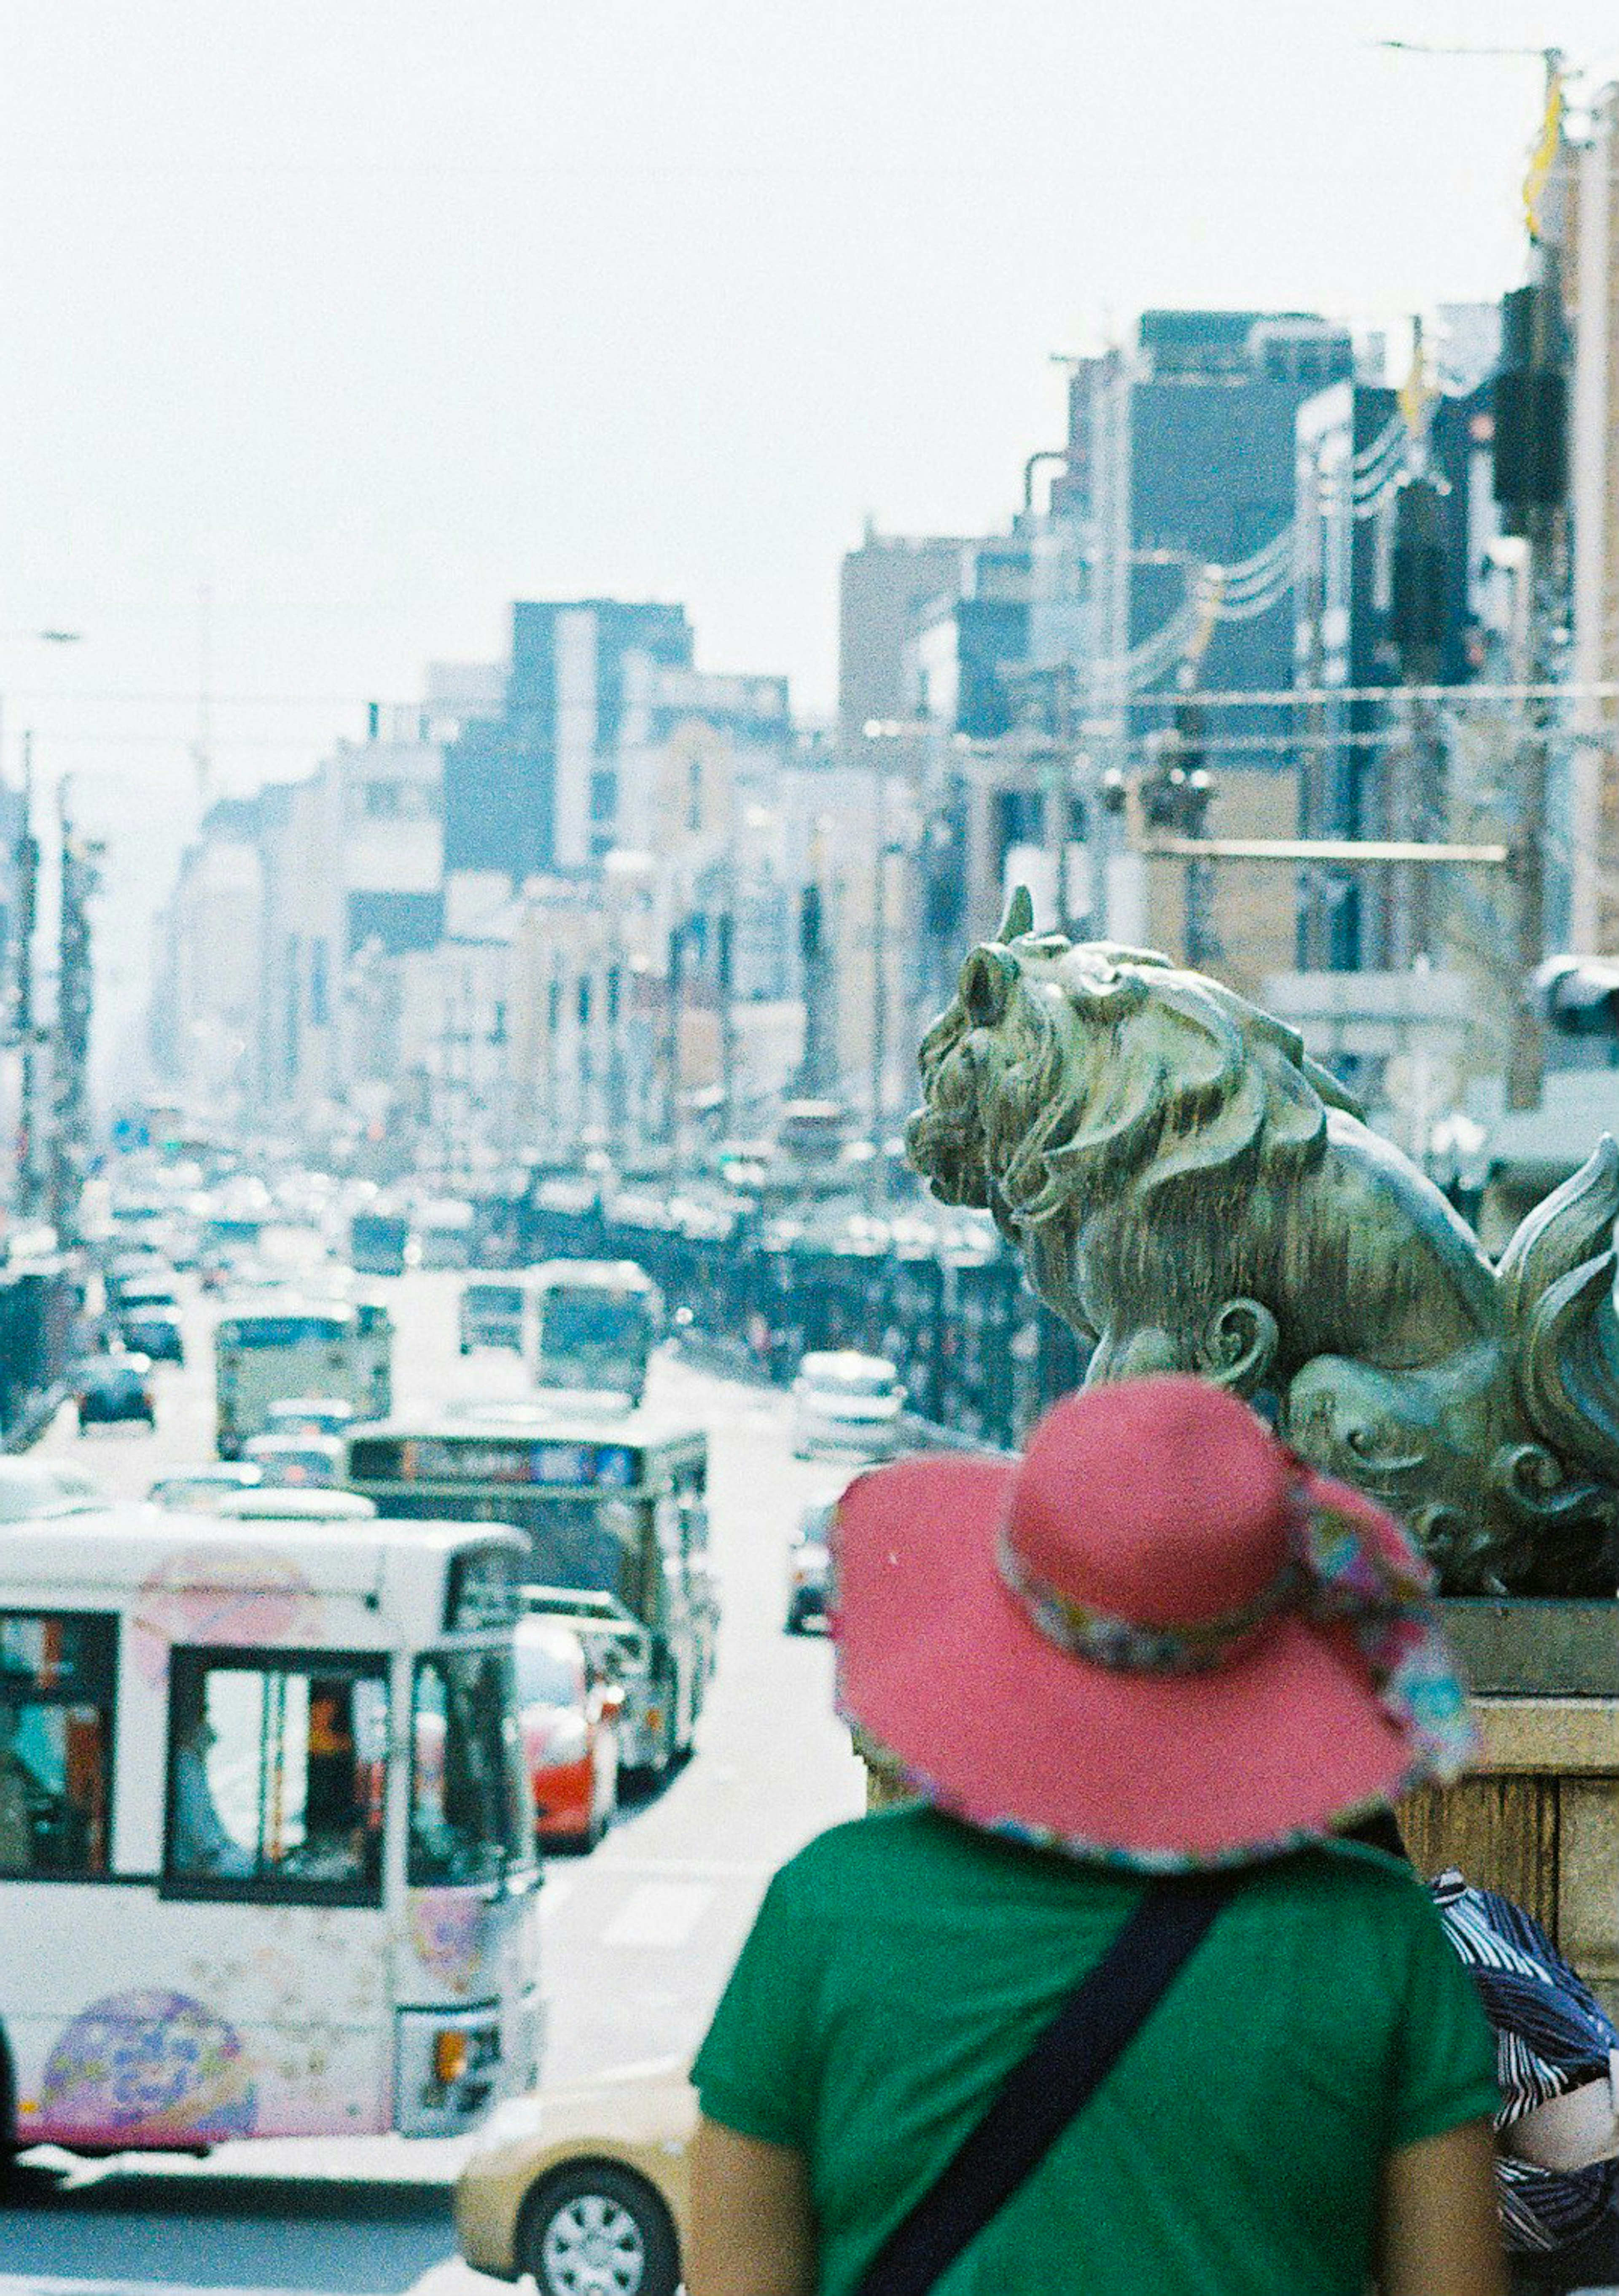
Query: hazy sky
x=373, y=317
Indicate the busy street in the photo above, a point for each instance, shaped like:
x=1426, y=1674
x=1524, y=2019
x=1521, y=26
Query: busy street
x=809, y=1149
x=637, y=1935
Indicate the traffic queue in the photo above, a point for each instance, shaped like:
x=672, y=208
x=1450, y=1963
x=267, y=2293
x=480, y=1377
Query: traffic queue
x=309, y=1709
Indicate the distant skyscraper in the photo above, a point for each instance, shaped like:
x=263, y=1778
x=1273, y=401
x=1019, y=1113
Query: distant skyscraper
x=535, y=787
x=886, y=587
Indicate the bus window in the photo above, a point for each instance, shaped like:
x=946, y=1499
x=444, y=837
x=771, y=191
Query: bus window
x=56, y=1676
x=275, y=1776
x=470, y=1809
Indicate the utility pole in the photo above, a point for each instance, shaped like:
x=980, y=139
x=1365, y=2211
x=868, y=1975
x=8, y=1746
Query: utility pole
x=1416, y=799
x=818, y=1067
x=26, y=867
x=675, y=977
x=75, y=997
x=1531, y=485
x=725, y=963
x=879, y=964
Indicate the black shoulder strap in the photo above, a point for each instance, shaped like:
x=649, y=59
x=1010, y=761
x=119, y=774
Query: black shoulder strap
x=1045, y=2089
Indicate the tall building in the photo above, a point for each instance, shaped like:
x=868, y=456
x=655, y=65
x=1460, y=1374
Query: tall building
x=1355, y=456
x=535, y=787
x=205, y=1008
x=1591, y=281
x=883, y=590
x=1202, y=474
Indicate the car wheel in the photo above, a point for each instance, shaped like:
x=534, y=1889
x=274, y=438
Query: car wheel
x=597, y=2230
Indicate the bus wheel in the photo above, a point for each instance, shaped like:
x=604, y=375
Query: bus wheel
x=595, y=2229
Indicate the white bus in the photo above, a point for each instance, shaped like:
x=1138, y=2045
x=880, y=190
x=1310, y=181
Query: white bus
x=283, y=1345
x=266, y=1863
x=443, y=1232
x=492, y=1308
x=613, y=1507
x=589, y=1324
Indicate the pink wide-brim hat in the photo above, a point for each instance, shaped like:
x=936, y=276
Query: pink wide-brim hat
x=1002, y=1627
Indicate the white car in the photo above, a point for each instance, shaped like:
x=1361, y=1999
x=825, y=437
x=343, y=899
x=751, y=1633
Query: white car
x=846, y=1402
x=33, y=1489
x=201, y=1489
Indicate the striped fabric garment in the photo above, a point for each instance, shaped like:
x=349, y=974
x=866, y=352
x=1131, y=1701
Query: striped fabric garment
x=1550, y=2036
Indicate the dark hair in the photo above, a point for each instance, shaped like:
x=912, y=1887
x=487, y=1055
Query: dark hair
x=1380, y=1830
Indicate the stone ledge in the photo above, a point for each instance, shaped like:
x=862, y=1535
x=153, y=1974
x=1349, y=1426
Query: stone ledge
x=1576, y=1737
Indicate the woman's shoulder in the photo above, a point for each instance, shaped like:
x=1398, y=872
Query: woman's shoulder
x=1341, y=1878
x=902, y=1845
x=910, y=1851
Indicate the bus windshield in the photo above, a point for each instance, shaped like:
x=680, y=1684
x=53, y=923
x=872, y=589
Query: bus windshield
x=591, y=1319
x=470, y=1809
x=495, y=1299
x=284, y=1331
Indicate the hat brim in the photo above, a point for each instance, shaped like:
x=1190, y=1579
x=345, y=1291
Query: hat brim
x=943, y=1669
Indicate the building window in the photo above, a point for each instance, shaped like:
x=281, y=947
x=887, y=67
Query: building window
x=604, y=796
x=276, y=1772
x=56, y=1699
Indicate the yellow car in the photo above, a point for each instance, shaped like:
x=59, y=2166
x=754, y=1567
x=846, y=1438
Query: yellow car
x=585, y=2188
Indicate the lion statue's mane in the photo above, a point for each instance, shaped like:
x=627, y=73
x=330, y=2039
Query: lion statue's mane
x=1190, y=1191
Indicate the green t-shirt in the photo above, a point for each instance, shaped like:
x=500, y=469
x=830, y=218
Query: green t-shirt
x=901, y=1965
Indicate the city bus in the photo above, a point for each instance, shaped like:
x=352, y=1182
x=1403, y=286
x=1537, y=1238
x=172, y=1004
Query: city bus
x=378, y=1240
x=614, y=1509
x=493, y=1308
x=281, y=1345
x=589, y=1324
x=443, y=1232
x=266, y=1860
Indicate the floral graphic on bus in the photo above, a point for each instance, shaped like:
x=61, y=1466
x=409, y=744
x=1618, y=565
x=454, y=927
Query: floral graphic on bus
x=151, y=2067
x=210, y=1596
x=450, y=1931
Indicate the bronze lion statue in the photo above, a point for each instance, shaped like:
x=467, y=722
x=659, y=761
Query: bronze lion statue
x=1188, y=1191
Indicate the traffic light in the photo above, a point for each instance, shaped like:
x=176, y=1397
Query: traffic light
x=1417, y=587
x=1176, y=790
x=1530, y=403
x=1580, y=995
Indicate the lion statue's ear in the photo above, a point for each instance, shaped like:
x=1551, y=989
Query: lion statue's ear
x=1019, y=918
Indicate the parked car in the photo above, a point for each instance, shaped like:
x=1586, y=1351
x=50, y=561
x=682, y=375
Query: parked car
x=296, y=1462
x=155, y=1332
x=843, y=1401
x=568, y=1708
x=32, y=1487
x=198, y=1490
x=109, y=1388
x=807, y=1566
x=586, y=2188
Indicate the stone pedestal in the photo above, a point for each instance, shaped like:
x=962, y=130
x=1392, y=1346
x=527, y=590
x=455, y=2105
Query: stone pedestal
x=1538, y=1816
